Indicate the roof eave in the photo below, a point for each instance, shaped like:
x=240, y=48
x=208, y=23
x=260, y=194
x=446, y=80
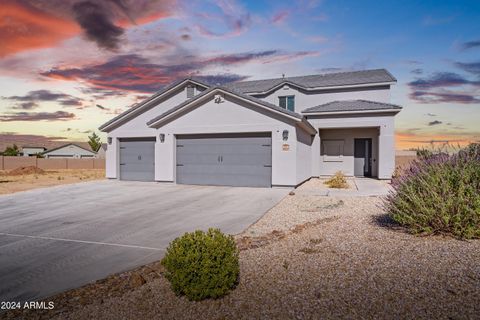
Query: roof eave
x=154, y=123
x=307, y=126
x=107, y=125
x=360, y=85
x=313, y=113
x=66, y=145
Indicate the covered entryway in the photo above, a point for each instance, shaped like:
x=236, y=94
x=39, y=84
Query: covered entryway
x=353, y=151
x=137, y=159
x=243, y=160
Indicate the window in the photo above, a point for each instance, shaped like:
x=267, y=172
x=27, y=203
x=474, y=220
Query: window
x=333, y=150
x=287, y=102
x=190, y=92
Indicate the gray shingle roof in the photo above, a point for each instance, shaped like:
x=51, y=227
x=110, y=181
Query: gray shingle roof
x=316, y=81
x=352, y=105
x=144, y=102
x=247, y=97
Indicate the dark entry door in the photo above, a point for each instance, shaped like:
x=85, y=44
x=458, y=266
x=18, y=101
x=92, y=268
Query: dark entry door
x=363, y=158
x=137, y=159
x=227, y=160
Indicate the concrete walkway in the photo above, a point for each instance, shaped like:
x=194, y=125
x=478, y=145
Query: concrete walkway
x=58, y=238
x=358, y=187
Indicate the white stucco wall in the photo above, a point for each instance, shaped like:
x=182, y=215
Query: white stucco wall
x=70, y=151
x=138, y=124
x=304, y=156
x=304, y=100
x=384, y=124
x=230, y=116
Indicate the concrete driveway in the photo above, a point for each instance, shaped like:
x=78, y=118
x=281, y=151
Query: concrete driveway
x=62, y=237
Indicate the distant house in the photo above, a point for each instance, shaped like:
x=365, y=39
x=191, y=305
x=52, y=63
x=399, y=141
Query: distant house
x=70, y=150
x=28, y=151
x=102, y=151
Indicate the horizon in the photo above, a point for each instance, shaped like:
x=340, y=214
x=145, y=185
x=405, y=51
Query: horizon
x=66, y=67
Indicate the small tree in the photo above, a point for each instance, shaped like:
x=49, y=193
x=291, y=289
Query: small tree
x=94, y=142
x=11, y=151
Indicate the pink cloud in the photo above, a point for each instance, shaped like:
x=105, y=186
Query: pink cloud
x=280, y=17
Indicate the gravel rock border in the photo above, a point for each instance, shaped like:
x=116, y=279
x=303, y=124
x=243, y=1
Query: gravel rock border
x=309, y=257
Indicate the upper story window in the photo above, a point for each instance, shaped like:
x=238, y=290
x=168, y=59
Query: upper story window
x=287, y=102
x=190, y=92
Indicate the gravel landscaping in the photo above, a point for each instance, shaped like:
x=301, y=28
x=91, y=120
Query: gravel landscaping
x=309, y=257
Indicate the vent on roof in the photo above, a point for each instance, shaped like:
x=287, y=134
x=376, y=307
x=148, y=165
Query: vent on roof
x=190, y=92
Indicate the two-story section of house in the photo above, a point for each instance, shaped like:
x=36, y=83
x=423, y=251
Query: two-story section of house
x=262, y=133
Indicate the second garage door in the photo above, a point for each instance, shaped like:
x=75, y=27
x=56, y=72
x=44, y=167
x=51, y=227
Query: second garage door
x=227, y=160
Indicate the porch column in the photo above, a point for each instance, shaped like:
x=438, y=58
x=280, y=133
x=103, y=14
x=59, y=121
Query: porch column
x=316, y=155
x=386, y=152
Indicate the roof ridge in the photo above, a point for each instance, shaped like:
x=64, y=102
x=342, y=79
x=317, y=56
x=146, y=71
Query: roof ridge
x=318, y=74
x=340, y=72
x=378, y=102
x=352, y=106
x=357, y=100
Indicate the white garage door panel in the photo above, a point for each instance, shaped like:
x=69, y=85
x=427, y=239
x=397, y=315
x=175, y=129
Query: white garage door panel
x=137, y=159
x=232, y=160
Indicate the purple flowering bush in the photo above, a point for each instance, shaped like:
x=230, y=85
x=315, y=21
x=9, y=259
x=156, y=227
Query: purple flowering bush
x=439, y=193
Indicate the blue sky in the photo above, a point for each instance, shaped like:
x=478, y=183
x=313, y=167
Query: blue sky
x=59, y=64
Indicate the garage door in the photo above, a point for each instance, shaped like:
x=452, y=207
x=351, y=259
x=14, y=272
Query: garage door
x=226, y=160
x=137, y=159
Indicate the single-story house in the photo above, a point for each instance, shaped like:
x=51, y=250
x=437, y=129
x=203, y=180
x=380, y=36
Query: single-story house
x=28, y=151
x=263, y=133
x=70, y=150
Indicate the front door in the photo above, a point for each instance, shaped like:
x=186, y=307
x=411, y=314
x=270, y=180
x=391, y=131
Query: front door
x=363, y=158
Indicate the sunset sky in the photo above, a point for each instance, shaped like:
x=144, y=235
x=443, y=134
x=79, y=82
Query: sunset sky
x=67, y=66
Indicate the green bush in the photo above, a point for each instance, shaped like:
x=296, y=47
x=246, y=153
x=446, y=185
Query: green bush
x=202, y=265
x=439, y=193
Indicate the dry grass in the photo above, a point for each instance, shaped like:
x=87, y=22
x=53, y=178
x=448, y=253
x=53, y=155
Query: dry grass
x=22, y=182
x=338, y=181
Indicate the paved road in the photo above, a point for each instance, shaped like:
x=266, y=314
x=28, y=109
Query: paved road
x=62, y=237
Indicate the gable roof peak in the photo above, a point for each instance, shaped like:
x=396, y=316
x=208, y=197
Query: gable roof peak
x=213, y=90
x=139, y=106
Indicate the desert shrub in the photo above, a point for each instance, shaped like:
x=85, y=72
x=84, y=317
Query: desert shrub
x=439, y=193
x=338, y=181
x=202, y=265
x=425, y=153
